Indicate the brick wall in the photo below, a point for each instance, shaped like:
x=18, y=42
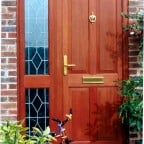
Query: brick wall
x=8, y=61
x=8, y=102
x=134, y=67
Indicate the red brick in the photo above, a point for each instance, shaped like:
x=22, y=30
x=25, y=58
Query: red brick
x=3, y=60
x=3, y=35
x=132, y=142
x=11, y=22
x=12, y=112
x=8, y=16
x=12, y=60
x=12, y=35
x=134, y=6
x=3, y=73
x=135, y=3
x=8, y=3
x=4, y=48
x=8, y=92
x=11, y=9
x=3, y=99
x=133, y=47
x=133, y=59
x=12, y=73
x=3, y=86
x=8, y=105
x=9, y=28
x=8, y=79
x=12, y=86
x=10, y=67
x=134, y=65
x=3, y=22
x=8, y=41
x=134, y=40
x=12, y=99
x=11, y=118
x=132, y=2
x=133, y=53
x=132, y=71
x=133, y=9
x=8, y=54
x=4, y=112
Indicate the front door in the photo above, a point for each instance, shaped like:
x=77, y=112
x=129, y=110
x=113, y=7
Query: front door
x=90, y=62
x=70, y=54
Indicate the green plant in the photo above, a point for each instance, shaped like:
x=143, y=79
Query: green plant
x=41, y=137
x=131, y=90
x=15, y=133
x=11, y=133
x=135, y=28
x=131, y=108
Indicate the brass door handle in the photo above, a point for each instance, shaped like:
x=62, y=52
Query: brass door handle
x=70, y=65
x=66, y=65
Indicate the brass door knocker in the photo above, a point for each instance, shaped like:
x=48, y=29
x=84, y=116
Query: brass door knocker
x=92, y=18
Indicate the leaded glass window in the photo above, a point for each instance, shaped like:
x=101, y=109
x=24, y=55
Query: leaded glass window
x=37, y=108
x=36, y=37
x=36, y=62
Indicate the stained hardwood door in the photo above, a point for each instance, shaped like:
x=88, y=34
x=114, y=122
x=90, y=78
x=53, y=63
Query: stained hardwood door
x=96, y=50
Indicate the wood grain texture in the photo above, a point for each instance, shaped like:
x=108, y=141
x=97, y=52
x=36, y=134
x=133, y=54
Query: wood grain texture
x=96, y=49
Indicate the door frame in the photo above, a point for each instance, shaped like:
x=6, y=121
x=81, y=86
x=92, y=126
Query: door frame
x=56, y=44
x=49, y=81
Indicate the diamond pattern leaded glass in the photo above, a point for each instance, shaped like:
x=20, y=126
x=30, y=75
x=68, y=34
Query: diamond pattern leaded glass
x=37, y=108
x=36, y=36
x=36, y=60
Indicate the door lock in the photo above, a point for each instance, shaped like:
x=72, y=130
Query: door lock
x=66, y=65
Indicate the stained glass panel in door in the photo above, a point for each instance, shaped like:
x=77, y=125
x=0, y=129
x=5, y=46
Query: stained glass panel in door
x=37, y=108
x=36, y=37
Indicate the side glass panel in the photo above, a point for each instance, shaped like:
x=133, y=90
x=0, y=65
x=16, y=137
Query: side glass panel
x=36, y=37
x=37, y=108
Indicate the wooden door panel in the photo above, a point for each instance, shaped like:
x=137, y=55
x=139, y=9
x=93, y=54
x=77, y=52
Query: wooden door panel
x=107, y=36
x=95, y=116
x=79, y=36
x=93, y=47
x=106, y=118
x=80, y=113
x=96, y=50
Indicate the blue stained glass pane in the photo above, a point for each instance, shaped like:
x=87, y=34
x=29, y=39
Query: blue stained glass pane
x=37, y=108
x=36, y=37
x=36, y=60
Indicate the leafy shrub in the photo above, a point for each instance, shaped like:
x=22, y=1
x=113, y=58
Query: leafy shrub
x=131, y=108
x=15, y=133
x=135, y=28
x=11, y=133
